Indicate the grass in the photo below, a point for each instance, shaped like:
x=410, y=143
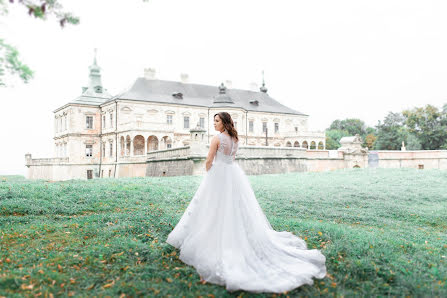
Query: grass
x=383, y=232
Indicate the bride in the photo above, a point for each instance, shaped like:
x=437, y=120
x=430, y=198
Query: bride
x=225, y=235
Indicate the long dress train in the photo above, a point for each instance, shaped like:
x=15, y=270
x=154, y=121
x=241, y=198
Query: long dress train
x=226, y=237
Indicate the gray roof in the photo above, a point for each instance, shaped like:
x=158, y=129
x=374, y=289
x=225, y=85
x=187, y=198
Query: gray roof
x=91, y=100
x=152, y=90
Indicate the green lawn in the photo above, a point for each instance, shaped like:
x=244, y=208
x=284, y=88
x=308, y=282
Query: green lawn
x=383, y=232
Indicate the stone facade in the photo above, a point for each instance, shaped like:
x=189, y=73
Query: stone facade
x=100, y=135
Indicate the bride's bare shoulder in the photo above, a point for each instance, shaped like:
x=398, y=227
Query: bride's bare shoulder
x=215, y=139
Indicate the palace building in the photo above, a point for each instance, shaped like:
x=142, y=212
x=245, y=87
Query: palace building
x=100, y=135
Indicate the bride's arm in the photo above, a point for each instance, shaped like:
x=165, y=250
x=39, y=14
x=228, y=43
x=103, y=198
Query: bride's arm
x=213, y=148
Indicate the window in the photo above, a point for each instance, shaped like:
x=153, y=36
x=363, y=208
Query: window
x=169, y=119
x=111, y=149
x=276, y=127
x=111, y=120
x=89, y=122
x=296, y=129
x=250, y=126
x=103, y=149
x=264, y=126
x=202, y=122
x=110, y=173
x=169, y=145
x=186, y=122
x=104, y=121
x=88, y=150
x=235, y=124
x=102, y=173
x=89, y=174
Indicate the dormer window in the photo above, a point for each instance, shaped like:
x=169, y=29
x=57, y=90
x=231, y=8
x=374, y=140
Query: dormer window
x=254, y=102
x=177, y=95
x=98, y=89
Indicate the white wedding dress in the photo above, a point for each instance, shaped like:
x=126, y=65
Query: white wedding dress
x=225, y=235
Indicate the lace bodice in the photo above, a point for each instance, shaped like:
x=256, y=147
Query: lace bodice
x=226, y=151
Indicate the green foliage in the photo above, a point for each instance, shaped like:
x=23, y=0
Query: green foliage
x=348, y=127
x=10, y=63
x=413, y=142
x=41, y=9
x=429, y=126
x=391, y=132
x=333, y=137
x=352, y=126
x=382, y=232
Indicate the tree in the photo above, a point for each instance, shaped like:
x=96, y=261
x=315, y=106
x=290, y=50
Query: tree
x=333, y=137
x=429, y=125
x=391, y=132
x=370, y=139
x=348, y=127
x=9, y=56
x=413, y=142
x=352, y=126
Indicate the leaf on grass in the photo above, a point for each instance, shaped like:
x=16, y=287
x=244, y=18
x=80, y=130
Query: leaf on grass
x=319, y=233
x=168, y=279
x=109, y=285
x=90, y=287
x=27, y=287
x=118, y=254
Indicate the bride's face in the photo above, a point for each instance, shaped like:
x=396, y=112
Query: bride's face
x=218, y=125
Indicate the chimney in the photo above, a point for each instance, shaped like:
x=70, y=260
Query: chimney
x=149, y=73
x=184, y=77
x=254, y=86
x=229, y=84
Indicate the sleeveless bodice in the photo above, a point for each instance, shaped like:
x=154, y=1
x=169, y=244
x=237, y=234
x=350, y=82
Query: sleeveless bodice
x=227, y=149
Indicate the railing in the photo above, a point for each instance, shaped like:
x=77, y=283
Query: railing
x=169, y=153
x=259, y=152
x=53, y=160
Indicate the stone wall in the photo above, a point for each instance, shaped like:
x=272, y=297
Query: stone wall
x=173, y=167
x=254, y=160
x=419, y=159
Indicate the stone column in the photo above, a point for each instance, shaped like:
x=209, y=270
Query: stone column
x=131, y=147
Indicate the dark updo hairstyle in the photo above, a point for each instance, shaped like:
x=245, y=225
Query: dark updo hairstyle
x=228, y=124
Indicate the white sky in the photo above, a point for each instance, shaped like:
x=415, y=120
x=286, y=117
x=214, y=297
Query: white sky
x=328, y=59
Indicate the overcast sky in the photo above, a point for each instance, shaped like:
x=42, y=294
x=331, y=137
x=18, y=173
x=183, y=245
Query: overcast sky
x=328, y=59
